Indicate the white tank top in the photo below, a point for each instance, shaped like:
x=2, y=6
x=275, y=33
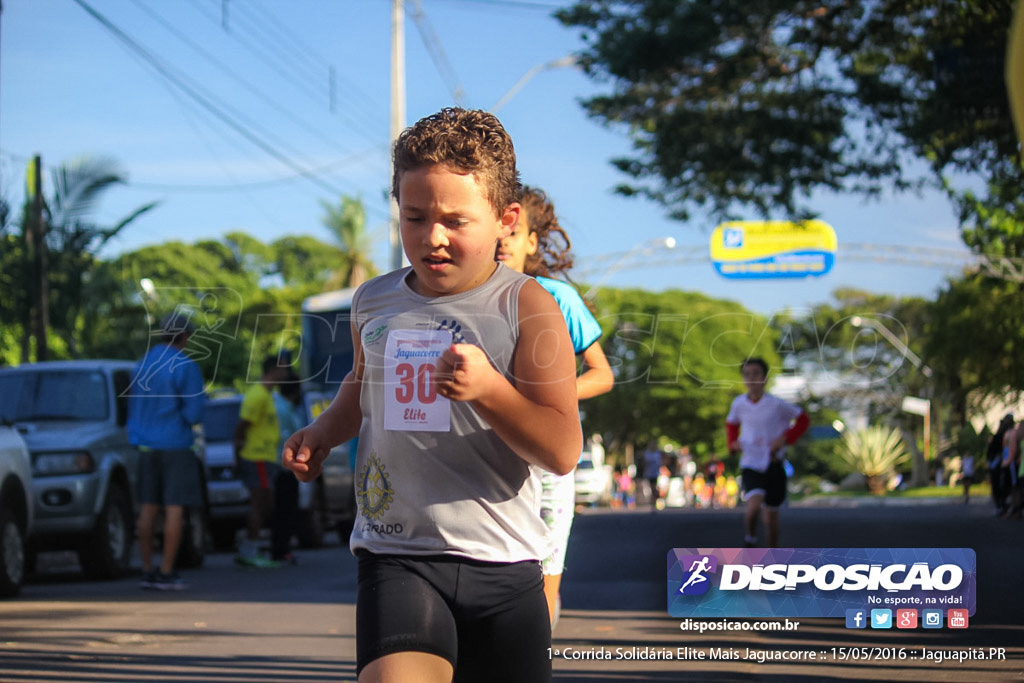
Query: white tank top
x=450, y=488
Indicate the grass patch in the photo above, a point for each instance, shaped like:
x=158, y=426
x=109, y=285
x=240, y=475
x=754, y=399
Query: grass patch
x=982, y=490
x=979, y=490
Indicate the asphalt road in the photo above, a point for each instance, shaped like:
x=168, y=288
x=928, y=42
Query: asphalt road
x=297, y=623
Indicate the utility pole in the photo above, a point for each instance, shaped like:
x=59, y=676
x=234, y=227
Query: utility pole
x=397, y=113
x=35, y=237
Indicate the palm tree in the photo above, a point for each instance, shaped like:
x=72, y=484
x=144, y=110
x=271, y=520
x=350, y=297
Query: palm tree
x=347, y=222
x=73, y=239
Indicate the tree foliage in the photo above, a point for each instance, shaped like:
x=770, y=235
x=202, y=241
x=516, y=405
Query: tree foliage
x=737, y=105
x=224, y=284
x=245, y=298
x=73, y=239
x=975, y=336
x=14, y=292
x=676, y=358
x=347, y=223
x=861, y=374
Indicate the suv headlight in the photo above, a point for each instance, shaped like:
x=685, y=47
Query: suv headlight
x=57, y=464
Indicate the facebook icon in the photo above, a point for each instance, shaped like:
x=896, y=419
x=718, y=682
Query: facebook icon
x=856, y=618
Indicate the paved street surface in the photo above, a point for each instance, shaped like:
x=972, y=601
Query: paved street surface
x=297, y=623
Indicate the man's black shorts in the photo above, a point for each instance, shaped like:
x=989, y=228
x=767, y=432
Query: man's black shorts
x=771, y=483
x=489, y=620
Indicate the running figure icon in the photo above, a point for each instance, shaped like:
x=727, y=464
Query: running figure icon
x=696, y=570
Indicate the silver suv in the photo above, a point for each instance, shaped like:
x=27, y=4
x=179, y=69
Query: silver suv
x=16, y=512
x=84, y=471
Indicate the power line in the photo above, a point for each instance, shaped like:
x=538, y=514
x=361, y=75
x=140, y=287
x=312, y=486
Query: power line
x=518, y=4
x=375, y=152
x=205, y=102
x=270, y=101
x=312, y=86
x=1005, y=268
x=436, y=51
x=301, y=44
x=297, y=47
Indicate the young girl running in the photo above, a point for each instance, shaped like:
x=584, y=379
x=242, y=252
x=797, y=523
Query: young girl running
x=539, y=247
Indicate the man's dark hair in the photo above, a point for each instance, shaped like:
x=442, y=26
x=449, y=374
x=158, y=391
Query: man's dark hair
x=759, y=362
x=176, y=326
x=271, y=363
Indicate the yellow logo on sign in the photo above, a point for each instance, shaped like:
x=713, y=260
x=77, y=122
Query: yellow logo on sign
x=773, y=249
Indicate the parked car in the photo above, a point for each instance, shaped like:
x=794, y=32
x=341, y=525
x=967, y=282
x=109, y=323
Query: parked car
x=72, y=417
x=16, y=513
x=593, y=483
x=225, y=491
x=328, y=501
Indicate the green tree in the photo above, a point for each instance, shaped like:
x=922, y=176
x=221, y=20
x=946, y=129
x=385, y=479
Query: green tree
x=732, y=106
x=244, y=303
x=729, y=104
x=14, y=295
x=135, y=290
x=858, y=370
x=974, y=342
x=347, y=223
x=676, y=358
x=302, y=261
x=73, y=239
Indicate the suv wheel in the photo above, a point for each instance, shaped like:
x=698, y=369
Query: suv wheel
x=105, y=554
x=12, y=554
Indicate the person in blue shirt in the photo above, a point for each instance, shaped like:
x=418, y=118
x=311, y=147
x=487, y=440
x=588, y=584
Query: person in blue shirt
x=166, y=399
x=540, y=247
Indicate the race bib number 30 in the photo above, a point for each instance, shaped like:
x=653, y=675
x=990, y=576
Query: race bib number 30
x=411, y=402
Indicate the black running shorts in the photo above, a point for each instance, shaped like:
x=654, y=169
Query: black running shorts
x=489, y=620
x=771, y=483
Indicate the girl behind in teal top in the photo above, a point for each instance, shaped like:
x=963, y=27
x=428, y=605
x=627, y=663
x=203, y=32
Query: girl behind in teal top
x=540, y=247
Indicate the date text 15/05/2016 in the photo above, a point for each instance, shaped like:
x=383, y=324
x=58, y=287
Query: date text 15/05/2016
x=762, y=656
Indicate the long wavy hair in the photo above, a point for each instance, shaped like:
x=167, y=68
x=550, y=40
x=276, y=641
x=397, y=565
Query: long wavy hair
x=554, y=250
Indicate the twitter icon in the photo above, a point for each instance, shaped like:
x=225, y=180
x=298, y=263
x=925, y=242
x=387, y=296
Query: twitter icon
x=881, y=618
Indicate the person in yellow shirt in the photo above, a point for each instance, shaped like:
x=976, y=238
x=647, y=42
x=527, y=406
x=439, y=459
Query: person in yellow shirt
x=256, y=442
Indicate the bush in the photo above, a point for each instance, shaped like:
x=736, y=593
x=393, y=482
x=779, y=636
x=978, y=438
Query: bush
x=876, y=452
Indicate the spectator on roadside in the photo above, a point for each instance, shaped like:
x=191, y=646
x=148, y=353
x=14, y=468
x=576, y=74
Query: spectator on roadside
x=759, y=426
x=256, y=440
x=626, y=486
x=997, y=474
x=291, y=417
x=597, y=449
x=652, y=470
x=166, y=399
x=967, y=475
x=1011, y=465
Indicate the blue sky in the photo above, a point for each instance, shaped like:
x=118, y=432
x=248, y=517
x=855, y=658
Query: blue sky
x=69, y=87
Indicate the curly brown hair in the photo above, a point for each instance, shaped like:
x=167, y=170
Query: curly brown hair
x=468, y=141
x=553, y=256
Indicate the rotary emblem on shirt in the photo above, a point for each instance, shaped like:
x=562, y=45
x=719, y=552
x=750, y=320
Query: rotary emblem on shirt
x=374, y=490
